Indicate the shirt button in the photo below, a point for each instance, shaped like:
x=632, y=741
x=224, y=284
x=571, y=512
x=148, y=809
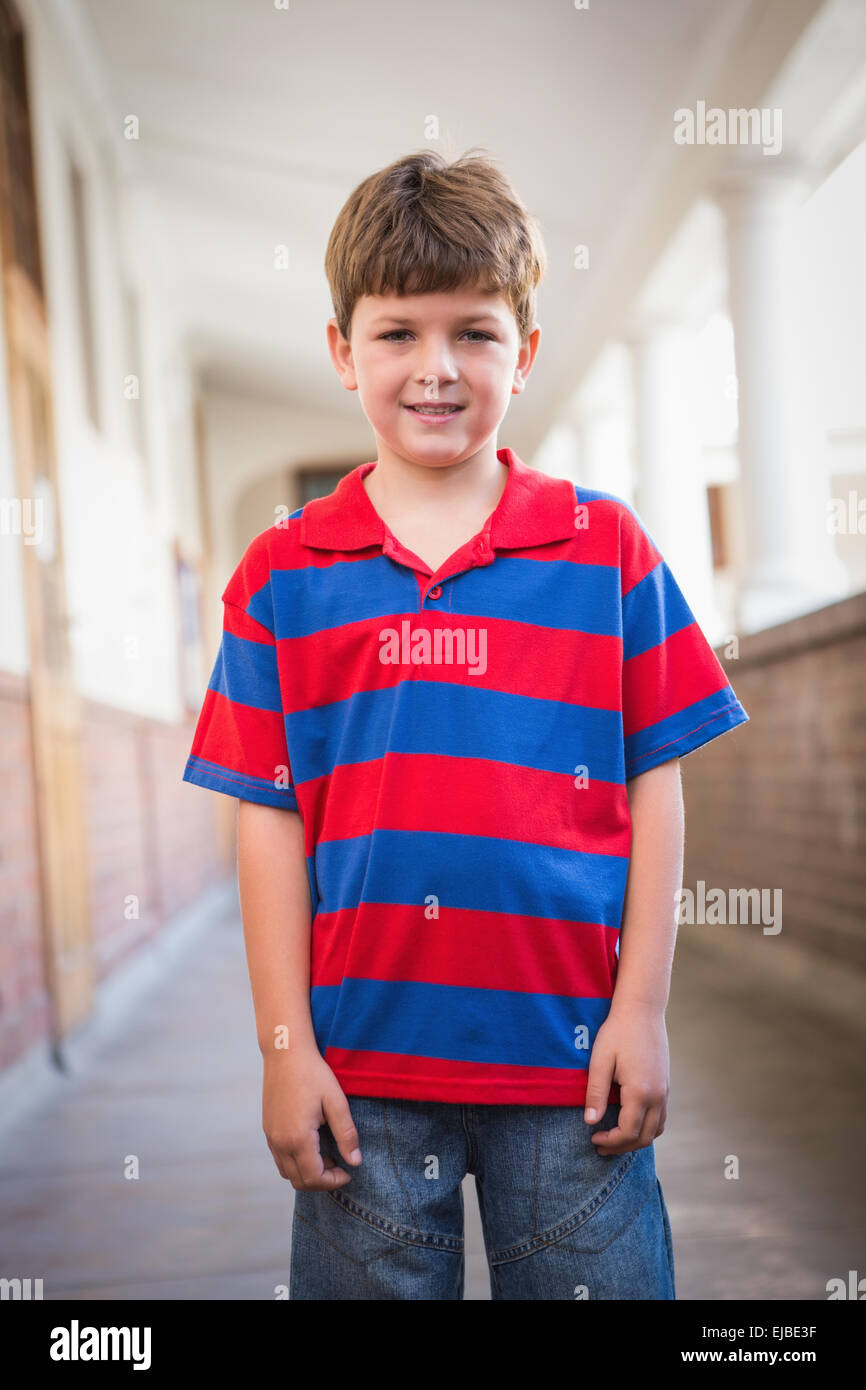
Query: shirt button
x=436, y=591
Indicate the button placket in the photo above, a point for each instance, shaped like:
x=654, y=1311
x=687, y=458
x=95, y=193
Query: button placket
x=481, y=553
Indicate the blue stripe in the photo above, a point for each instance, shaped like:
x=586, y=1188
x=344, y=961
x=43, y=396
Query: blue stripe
x=653, y=610
x=316, y=598
x=455, y=1023
x=477, y=872
x=593, y=494
x=460, y=721
x=246, y=672
x=547, y=593
x=240, y=784
x=684, y=731
x=260, y=604
x=589, y=494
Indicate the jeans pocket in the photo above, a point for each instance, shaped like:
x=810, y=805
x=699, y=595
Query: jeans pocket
x=395, y=1231
x=616, y=1205
x=613, y=1247
x=354, y=1233
x=387, y=1194
x=338, y=1255
x=359, y=1242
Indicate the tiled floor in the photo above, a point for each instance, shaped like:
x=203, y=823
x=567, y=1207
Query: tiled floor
x=754, y=1080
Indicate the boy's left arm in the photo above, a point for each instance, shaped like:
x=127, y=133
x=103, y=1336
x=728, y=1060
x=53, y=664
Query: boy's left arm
x=631, y=1046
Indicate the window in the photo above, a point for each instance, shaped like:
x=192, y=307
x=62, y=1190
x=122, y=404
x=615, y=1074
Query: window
x=318, y=483
x=132, y=367
x=81, y=277
x=18, y=151
x=718, y=530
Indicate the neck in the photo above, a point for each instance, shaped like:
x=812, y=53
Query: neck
x=398, y=485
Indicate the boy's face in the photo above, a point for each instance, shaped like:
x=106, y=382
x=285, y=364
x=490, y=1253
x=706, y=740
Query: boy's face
x=457, y=348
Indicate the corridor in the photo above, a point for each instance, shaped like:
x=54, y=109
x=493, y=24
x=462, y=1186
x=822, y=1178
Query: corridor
x=208, y=493
x=175, y=1081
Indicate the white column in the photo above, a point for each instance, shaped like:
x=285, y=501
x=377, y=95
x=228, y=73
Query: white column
x=790, y=565
x=558, y=453
x=603, y=461
x=671, y=495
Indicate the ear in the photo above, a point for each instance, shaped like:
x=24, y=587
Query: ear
x=525, y=359
x=341, y=355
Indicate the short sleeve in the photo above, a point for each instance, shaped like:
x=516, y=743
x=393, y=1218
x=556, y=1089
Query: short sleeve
x=675, y=694
x=239, y=746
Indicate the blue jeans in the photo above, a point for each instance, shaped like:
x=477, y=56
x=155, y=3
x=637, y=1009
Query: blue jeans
x=560, y=1220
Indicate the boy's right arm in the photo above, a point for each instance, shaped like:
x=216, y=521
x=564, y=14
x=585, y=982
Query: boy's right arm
x=300, y=1091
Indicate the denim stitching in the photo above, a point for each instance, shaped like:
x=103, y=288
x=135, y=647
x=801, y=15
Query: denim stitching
x=535, y=1178
x=406, y=1234
x=347, y=1254
x=519, y=1252
x=396, y=1172
x=471, y=1156
x=572, y=1222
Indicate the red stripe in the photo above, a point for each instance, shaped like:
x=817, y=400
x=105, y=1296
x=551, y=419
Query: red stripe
x=396, y=1075
x=639, y=555
x=668, y=678
x=464, y=946
x=467, y=796
x=575, y=668
x=239, y=737
x=240, y=624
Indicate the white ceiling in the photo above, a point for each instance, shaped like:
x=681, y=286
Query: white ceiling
x=257, y=122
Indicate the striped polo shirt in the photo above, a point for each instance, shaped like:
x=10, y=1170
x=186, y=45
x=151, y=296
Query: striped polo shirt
x=457, y=744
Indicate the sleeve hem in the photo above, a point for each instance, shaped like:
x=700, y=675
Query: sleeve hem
x=236, y=784
x=731, y=717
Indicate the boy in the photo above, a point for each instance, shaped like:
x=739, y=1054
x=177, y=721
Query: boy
x=451, y=698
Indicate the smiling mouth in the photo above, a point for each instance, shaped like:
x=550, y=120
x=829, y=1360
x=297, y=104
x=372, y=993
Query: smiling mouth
x=434, y=409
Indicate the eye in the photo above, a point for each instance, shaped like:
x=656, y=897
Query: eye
x=396, y=333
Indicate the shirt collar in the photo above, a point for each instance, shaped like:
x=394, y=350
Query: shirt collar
x=534, y=508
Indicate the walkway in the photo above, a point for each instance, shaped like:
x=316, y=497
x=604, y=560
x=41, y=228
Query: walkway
x=177, y=1085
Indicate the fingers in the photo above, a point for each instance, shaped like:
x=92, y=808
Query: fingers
x=640, y=1118
x=330, y=1176
x=598, y=1084
x=299, y=1159
x=342, y=1126
x=662, y=1120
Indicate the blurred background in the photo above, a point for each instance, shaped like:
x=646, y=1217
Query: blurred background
x=169, y=175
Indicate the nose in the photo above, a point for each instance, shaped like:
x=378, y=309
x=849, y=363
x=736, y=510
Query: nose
x=436, y=363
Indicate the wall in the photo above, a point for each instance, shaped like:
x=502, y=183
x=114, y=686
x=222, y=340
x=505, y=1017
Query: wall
x=150, y=835
x=781, y=801
x=24, y=1011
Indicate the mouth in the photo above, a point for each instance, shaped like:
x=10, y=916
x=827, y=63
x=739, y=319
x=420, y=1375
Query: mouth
x=431, y=413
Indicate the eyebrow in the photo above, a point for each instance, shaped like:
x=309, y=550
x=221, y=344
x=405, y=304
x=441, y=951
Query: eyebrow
x=484, y=317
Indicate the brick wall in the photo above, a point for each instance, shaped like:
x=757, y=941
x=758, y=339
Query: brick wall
x=24, y=1003
x=153, y=841
x=781, y=801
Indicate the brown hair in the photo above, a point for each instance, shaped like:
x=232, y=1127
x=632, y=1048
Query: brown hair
x=423, y=224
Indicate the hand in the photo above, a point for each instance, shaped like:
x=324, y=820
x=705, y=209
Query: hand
x=299, y=1094
x=630, y=1048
